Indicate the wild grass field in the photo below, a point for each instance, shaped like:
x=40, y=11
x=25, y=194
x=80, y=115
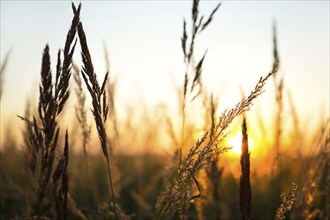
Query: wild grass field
x=218, y=163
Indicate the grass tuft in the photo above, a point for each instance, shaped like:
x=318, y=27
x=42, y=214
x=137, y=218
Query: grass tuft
x=41, y=141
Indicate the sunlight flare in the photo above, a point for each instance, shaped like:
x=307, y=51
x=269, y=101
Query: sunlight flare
x=236, y=143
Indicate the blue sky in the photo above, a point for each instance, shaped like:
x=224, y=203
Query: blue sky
x=143, y=39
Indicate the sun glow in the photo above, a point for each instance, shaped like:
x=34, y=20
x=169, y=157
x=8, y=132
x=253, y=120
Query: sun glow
x=236, y=143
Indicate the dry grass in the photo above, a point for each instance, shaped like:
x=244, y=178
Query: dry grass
x=3, y=67
x=178, y=195
x=85, y=127
x=287, y=201
x=245, y=195
x=61, y=189
x=99, y=101
x=313, y=196
x=145, y=190
x=208, y=206
x=192, y=85
x=81, y=115
x=41, y=140
x=279, y=85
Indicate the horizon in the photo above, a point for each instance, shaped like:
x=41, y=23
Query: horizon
x=237, y=54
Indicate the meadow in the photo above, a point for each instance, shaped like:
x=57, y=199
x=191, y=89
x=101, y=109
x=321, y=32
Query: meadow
x=218, y=163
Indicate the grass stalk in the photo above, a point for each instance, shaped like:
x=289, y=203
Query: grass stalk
x=85, y=127
x=208, y=206
x=245, y=195
x=61, y=188
x=112, y=190
x=287, y=202
x=99, y=100
x=81, y=116
x=3, y=66
x=178, y=195
x=41, y=141
x=279, y=85
x=192, y=84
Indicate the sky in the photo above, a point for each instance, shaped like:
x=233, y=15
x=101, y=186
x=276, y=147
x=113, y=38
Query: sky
x=143, y=40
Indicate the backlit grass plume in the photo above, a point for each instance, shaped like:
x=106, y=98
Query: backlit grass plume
x=99, y=100
x=279, y=85
x=192, y=85
x=208, y=206
x=41, y=140
x=179, y=194
x=245, y=195
x=287, y=201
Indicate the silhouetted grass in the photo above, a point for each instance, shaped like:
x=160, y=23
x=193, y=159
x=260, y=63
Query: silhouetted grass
x=147, y=187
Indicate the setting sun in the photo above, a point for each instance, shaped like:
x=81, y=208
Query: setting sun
x=236, y=142
x=164, y=110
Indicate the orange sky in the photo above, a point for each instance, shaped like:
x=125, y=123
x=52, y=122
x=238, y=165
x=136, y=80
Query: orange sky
x=143, y=39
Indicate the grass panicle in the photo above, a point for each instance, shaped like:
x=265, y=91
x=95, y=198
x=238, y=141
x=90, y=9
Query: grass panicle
x=196, y=186
x=313, y=196
x=99, y=100
x=276, y=58
x=279, y=86
x=61, y=183
x=287, y=202
x=245, y=195
x=85, y=129
x=192, y=84
x=298, y=138
x=42, y=140
x=179, y=193
x=3, y=67
x=81, y=115
x=30, y=144
x=208, y=205
x=111, y=92
x=198, y=26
